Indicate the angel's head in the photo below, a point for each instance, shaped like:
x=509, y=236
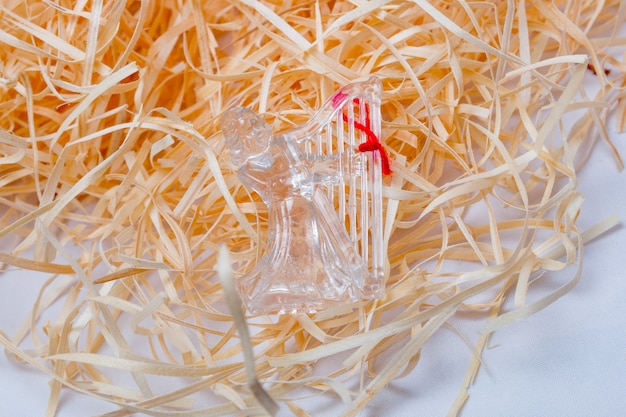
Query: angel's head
x=245, y=133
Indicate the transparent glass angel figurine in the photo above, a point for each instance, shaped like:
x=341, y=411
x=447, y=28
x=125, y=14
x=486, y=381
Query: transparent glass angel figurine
x=322, y=185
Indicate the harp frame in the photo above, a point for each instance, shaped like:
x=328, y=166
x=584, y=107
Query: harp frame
x=335, y=132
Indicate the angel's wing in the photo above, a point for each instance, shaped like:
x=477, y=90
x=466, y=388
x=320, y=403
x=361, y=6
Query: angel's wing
x=346, y=130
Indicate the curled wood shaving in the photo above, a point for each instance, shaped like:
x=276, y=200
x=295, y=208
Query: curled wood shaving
x=236, y=309
x=115, y=182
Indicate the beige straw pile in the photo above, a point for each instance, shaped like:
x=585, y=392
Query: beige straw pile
x=115, y=181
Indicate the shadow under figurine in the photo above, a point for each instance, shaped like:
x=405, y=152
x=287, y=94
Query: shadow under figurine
x=324, y=203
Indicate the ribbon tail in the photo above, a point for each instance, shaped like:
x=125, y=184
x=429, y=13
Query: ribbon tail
x=384, y=159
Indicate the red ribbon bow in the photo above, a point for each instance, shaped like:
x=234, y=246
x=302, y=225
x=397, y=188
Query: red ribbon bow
x=372, y=144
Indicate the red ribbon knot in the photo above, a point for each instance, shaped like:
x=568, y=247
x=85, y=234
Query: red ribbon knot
x=372, y=144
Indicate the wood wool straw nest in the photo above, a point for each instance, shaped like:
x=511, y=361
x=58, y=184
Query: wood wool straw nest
x=115, y=182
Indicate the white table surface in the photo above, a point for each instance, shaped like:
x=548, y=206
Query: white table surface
x=567, y=360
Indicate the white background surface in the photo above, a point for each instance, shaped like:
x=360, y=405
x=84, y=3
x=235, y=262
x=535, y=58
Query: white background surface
x=567, y=360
